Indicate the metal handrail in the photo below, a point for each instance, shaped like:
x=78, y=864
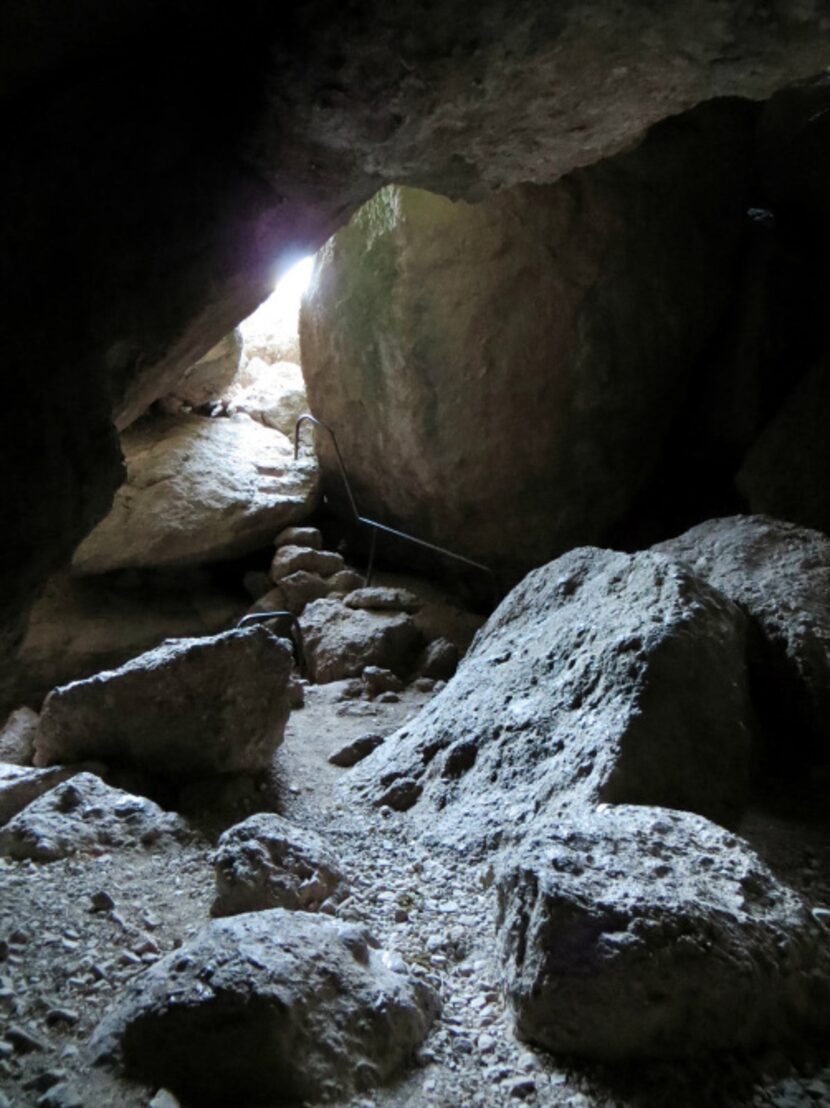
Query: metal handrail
x=296, y=631
x=373, y=524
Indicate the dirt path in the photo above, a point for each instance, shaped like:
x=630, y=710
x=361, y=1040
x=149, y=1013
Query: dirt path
x=62, y=963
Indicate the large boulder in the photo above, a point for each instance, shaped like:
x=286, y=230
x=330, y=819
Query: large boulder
x=635, y=932
x=502, y=376
x=85, y=816
x=340, y=642
x=780, y=574
x=207, y=379
x=190, y=707
x=785, y=472
x=601, y=677
x=269, y=1007
x=268, y=862
x=199, y=490
x=82, y=625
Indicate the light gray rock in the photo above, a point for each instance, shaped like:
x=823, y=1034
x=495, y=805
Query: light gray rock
x=355, y=751
x=602, y=676
x=637, y=932
x=17, y=737
x=85, y=816
x=290, y=559
x=340, y=642
x=199, y=490
x=20, y=785
x=268, y=862
x=190, y=707
x=206, y=380
x=377, y=680
x=377, y=598
x=269, y=1006
x=780, y=574
x=300, y=536
x=439, y=659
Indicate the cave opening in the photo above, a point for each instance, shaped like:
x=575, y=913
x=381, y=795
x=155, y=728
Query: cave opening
x=566, y=315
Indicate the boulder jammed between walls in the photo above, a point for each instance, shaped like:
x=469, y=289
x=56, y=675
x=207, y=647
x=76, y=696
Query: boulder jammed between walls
x=501, y=376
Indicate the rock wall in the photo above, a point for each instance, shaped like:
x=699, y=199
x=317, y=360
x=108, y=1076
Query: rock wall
x=501, y=376
x=151, y=187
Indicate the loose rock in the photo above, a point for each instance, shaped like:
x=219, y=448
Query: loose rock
x=289, y=559
x=269, y=1005
x=17, y=737
x=376, y=598
x=355, y=751
x=85, y=816
x=267, y=862
x=340, y=641
x=190, y=707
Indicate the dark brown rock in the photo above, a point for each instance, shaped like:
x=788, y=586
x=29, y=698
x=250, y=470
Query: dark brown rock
x=355, y=751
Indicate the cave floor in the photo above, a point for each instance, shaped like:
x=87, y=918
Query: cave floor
x=64, y=964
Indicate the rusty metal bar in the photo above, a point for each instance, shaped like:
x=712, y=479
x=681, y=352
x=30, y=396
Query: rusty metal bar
x=296, y=631
x=373, y=524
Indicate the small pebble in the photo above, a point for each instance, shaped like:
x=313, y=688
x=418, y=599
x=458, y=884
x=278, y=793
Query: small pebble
x=101, y=901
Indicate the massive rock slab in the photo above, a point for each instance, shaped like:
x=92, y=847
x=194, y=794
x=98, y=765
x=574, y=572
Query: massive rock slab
x=780, y=574
x=638, y=932
x=269, y=1007
x=199, y=490
x=340, y=642
x=785, y=472
x=601, y=677
x=502, y=376
x=268, y=862
x=85, y=816
x=190, y=707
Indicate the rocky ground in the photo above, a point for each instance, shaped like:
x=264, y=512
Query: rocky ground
x=73, y=932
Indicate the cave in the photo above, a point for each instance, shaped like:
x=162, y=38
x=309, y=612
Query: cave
x=418, y=694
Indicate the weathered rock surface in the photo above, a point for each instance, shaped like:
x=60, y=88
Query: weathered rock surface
x=20, y=785
x=189, y=707
x=80, y=626
x=206, y=380
x=199, y=490
x=273, y=395
x=268, y=862
x=340, y=642
x=17, y=737
x=785, y=472
x=439, y=659
x=301, y=588
x=377, y=598
x=602, y=676
x=614, y=283
x=780, y=574
x=631, y=932
x=291, y=559
x=300, y=536
x=269, y=1006
x=356, y=750
x=85, y=816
